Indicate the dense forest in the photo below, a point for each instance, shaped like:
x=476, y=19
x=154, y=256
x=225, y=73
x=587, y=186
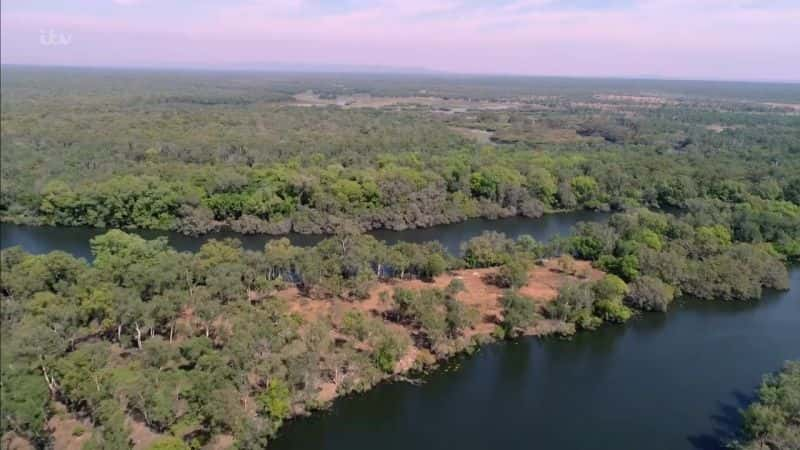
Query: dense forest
x=196, y=152
x=149, y=347
x=191, y=348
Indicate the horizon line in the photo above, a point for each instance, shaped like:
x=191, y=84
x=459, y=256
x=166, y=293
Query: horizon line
x=377, y=69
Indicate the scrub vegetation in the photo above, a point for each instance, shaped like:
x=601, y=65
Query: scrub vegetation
x=197, y=151
x=230, y=342
x=773, y=420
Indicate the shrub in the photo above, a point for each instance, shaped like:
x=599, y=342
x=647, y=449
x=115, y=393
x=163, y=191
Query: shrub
x=519, y=312
x=513, y=274
x=650, y=294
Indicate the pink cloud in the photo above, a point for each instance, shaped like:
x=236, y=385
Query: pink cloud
x=680, y=38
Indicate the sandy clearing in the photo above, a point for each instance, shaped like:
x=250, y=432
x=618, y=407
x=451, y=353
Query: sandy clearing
x=544, y=282
x=791, y=106
x=640, y=99
x=309, y=98
x=480, y=136
x=221, y=442
x=142, y=436
x=11, y=441
x=67, y=431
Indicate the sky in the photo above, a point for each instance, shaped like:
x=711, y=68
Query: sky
x=690, y=39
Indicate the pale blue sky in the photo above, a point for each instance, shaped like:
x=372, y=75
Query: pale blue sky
x=720, y=39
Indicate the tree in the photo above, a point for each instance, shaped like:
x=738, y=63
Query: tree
x=25, y=400
x=609, y=292
x=626, y=267
x=650, y=294
x=116, y=252
x=566, y=264
x=542, y=184
x=711, y=240
x=593, y=240
x=585, y=188
x=275, y=400
x=280, y=258
x=773, y=420
x=513, y=274
x=519, y=313
x=489, y=249
x=388, y=349
x=575, y=304
x=434, y=266
x=458, y=316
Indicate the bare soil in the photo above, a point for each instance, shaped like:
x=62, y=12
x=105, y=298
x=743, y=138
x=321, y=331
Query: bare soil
x=368, y=101
x=544, y=282
x=71, y=433
x=142, y=436
x=68, y=432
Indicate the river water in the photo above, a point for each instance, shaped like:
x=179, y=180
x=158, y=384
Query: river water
x=662, y=381
x=75, y=240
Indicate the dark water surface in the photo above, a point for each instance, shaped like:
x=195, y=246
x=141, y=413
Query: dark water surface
x=75, y=240
x=663, y=381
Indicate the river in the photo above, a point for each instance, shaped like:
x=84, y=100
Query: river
x=75, y=240
x=662, y=381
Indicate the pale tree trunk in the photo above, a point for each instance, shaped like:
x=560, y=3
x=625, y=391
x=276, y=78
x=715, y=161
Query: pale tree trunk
x=144, y=410
x=49, y=379
x=189, y=284
x=337, y=377
x=138, y=335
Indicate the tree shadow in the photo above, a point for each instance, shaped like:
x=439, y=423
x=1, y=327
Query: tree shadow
x=727, y=423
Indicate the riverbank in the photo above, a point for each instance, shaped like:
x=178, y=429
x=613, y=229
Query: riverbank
x=75, y=240
x=70, y=431
x=225, y=314
x=672, y=381
x=249, y=225
x=479, y=293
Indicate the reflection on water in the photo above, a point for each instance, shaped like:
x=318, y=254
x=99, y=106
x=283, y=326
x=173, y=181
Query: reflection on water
x=75, y=240
x=663, y=381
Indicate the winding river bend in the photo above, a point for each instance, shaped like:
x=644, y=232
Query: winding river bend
x=662, y=381
x=75, y=240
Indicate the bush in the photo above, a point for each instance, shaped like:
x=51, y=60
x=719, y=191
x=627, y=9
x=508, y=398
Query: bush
x=519, y=312
x=169, y=443
x=388, y=349
x=434, y=266
x=609, y=294
x=650, y=294
x=275, y=401
x=773, y=421
x=513, y=274
x=355, y=323
x=487, y=250
x=455, y=286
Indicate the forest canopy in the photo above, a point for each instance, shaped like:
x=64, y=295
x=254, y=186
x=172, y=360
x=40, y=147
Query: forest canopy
x=195, y=152
x=226, y=343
